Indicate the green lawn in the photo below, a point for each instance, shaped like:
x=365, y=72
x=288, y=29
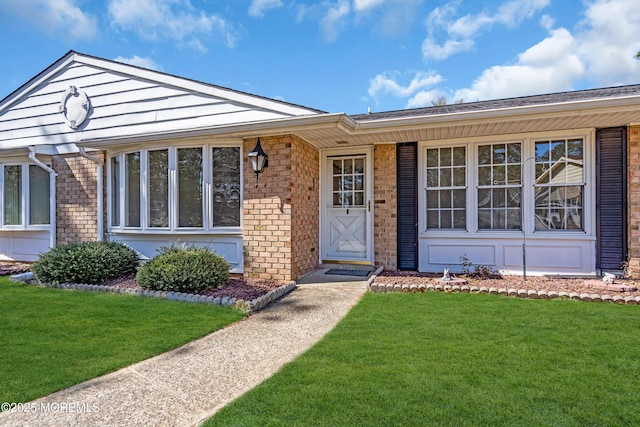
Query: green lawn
x=459, y=359
x=51, y=339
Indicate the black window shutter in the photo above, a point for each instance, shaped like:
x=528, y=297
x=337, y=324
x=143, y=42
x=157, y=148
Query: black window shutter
x=407, y=171
x=611, y=198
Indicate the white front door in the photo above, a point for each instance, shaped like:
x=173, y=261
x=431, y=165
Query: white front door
x=347, y=209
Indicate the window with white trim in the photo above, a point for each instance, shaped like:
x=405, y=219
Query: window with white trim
x=559, y=184
x=25, y=195
x=176, y=188
x=500, y=186
x=536, y=184
x=446, y=188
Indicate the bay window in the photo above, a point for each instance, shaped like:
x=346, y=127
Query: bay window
x=25, y=195
x=176, y=188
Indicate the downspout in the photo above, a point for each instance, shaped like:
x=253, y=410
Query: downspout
x=52, y=195
x=100, y=190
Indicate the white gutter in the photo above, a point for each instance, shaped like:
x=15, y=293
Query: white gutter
x=240, y=130
x=99, y=196
x=52, y=195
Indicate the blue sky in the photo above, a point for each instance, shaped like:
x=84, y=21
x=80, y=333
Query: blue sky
x=339, y=55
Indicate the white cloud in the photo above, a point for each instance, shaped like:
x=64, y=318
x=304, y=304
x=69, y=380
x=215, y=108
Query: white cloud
x=608, y=39
x=549, y=66
x=459, y=32
x=57, y=17
x=138, y=61
x=169, y=19
x=432, y=50
x=383, y=84
x=257, y=8
x=426, y=98
x=510, y=14
x=362, y=5
x=334, y=20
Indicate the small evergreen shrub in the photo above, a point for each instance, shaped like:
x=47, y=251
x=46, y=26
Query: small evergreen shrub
x=183, y=269
x=85, y=262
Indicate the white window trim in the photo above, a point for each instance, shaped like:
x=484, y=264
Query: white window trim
x=207, y=203
x=528, y=196
x=25, y=201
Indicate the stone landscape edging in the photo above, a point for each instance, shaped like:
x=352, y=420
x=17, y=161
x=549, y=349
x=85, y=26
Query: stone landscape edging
x=518, y=293
x=246, y=306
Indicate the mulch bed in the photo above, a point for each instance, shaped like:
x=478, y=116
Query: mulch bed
x=535, y=283
x=238, y=288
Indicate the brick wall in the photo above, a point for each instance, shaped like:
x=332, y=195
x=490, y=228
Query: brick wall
x=76, y=206
x=385, y=197
x=305, y=200
x=281, y=243
x=633, y=199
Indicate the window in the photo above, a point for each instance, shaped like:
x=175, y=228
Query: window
x=167, y=189
x=446, y=188
x=132, y=190
x=532, y=184
x=115, y=185
x=26, y=195
x=190, y=187
x=559, y=184
x=499, y=187
x=13, y=195
x=348, y=182
x=158, y=188
x=226, y=187
x=39, y=200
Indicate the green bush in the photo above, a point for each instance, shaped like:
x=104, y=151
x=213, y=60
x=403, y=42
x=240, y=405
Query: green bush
x=183, y=269
x=85, y=262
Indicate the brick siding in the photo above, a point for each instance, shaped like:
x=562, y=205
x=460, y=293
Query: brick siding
x=385, y=222
x=76, y=205
x=279, y=244
x=633, y=200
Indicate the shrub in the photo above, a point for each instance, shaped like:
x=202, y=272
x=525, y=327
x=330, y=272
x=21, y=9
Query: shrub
x=85, y=262
x=183, y=269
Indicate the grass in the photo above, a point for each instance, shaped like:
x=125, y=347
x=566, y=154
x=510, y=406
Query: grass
x=52, y=338
x=460, y=360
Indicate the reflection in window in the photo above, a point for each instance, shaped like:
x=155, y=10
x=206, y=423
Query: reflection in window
x=499, y=187
x=132, y=189
x=13, y=195
x=446, y=188
x=115, y=191
x=559, y=185
x=158, y=188
x=226, y=186
x=39, y=199
x=348, y=182
x=190, y=187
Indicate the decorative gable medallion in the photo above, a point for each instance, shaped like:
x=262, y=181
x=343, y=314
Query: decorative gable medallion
x=74, y=107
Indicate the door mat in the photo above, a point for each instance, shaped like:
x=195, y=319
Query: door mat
x=340, y=272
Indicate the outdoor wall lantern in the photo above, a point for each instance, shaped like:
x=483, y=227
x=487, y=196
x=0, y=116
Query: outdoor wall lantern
x=259, y=160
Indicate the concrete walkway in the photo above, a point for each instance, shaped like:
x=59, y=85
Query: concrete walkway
x=186, y=386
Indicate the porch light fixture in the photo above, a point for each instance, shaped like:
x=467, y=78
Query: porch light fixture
x=259, y=160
